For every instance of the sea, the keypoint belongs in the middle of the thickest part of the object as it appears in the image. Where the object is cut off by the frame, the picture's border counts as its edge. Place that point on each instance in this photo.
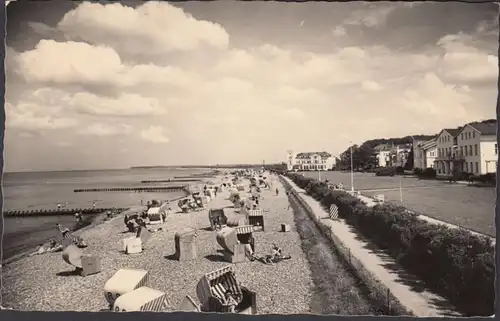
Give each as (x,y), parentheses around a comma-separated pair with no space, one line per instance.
(45,190)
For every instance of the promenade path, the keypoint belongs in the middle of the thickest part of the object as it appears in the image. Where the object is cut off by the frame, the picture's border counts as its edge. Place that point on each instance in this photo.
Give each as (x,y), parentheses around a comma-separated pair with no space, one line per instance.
(374,264)
(44,282)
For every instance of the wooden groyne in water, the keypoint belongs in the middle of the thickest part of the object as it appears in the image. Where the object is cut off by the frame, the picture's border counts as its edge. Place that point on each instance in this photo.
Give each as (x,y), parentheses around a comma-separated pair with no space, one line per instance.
(63,211)
(171,181)
(134,189)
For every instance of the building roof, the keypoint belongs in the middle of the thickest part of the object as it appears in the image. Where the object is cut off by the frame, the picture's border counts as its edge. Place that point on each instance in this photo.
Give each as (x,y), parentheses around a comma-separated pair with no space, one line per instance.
(453,131)
(485,128)
(309,154)
(428,144)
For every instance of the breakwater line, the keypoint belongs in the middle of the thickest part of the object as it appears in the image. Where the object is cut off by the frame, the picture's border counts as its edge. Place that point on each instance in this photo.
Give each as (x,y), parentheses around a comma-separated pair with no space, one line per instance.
(55,212)
(133,189)
(171,181)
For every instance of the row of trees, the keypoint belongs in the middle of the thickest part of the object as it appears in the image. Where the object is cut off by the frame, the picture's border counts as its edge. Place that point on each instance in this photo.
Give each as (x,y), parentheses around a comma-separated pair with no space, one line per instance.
(364,157)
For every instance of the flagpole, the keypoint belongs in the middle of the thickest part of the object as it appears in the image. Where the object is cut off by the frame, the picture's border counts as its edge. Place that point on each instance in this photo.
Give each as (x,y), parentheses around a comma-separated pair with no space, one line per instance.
(401,189)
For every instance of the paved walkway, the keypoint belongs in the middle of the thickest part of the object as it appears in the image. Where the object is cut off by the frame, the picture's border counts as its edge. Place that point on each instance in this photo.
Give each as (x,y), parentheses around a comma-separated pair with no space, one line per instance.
(373,263)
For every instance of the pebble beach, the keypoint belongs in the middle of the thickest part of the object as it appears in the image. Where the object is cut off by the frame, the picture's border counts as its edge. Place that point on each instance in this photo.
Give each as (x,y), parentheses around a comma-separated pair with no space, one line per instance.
(45,282)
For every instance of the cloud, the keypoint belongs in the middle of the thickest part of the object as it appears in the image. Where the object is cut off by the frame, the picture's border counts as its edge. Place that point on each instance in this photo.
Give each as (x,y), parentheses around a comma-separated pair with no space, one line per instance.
(464,63)
(23,117)
(100,129)
(374,16)
(155,134)
(81,63)
(123,105)
(339,31)
(369,85)
(157,26)
(232,101)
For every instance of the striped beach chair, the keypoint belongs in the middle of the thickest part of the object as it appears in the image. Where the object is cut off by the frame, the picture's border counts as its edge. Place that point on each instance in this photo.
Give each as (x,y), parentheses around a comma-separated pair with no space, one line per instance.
(255,218)
(244,234)
(212,287)
(68,238)
(143,299)
(217,218)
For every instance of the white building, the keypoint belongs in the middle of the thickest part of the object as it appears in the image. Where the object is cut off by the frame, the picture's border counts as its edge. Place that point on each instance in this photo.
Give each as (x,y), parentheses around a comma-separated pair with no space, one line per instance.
(424,152)
(310,161)
(477,147)
(447,160)
(392,156)
(423,149)
(383,152)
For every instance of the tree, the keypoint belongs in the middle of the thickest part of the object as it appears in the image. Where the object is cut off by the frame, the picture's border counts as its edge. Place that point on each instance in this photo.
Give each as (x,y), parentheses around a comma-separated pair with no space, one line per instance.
(410,161)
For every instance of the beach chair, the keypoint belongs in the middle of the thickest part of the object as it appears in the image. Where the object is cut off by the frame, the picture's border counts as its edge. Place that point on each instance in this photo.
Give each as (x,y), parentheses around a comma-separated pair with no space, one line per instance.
(255,218)
(154,216)
(66,237)
(217,218)
(185,245)
(211,291)
(124,281)
(234,242)
(244,234)
(142,299)
(132,245)
(84,264)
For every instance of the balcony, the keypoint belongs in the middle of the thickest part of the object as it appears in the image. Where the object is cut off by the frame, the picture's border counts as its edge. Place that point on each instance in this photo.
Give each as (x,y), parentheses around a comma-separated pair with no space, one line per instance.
(452,156)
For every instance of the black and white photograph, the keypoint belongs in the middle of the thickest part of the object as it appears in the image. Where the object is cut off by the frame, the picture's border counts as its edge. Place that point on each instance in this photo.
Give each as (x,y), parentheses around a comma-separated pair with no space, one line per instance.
(250,157)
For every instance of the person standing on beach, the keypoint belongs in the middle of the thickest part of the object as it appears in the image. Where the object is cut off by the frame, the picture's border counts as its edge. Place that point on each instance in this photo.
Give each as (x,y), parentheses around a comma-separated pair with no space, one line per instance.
(277,191)
(93,205)
(58,206)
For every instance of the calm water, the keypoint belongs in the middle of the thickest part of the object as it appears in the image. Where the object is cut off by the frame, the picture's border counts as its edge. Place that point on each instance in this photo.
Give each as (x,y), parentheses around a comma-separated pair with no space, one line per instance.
(469,207)
(44,190)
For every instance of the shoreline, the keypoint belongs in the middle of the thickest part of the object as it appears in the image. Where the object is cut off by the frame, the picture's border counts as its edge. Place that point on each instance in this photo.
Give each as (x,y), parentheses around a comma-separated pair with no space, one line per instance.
(97,220)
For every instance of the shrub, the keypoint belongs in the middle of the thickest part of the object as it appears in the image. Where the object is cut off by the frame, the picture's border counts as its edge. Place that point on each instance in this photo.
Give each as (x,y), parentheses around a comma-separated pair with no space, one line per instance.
(428,173)
(489,178)
(386,171)
(453,262)
(400,170)
(417,171)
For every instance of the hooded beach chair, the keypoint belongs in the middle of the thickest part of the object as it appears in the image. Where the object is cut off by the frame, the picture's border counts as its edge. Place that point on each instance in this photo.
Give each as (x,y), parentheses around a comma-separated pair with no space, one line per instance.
(212,288)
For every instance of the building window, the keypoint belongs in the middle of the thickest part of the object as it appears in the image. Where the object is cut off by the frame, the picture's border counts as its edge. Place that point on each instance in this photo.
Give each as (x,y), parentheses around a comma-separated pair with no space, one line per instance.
(466,167)
(461,150)
(470,150)
(462,136)
(431,154)
(473,134)
(475,149)
(471,168)
(477,167)
(466,154)
(496,149)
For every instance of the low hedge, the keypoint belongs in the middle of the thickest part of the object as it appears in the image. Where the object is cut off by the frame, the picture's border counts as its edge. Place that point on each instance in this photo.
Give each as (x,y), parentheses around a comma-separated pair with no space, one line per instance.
(386,171)
(489,178)
(455,263)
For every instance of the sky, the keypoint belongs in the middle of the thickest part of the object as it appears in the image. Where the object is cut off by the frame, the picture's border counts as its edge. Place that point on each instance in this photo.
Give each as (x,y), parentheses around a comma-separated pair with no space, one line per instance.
(116,85)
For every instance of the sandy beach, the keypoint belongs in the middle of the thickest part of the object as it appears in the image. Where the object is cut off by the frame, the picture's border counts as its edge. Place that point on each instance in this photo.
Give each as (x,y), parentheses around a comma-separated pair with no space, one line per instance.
(44,282)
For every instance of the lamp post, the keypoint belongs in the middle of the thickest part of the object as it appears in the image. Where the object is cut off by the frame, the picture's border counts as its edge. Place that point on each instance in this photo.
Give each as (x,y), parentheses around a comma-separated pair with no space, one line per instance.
(352,171)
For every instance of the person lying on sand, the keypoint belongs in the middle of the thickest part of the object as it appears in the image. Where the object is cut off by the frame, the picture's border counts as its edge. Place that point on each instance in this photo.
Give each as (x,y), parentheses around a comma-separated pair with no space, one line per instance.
(49,248)
(276,256)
